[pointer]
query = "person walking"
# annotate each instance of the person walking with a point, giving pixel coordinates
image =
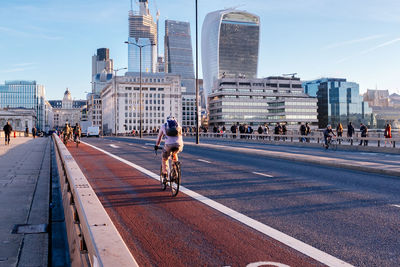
(339, 131)
(233, 130)
(302, 130)
(26, 131)
(350, 132)
(7, 131)
(388, 134)
(284, 130)
(364, 131)
(34, 131)
(308, 131)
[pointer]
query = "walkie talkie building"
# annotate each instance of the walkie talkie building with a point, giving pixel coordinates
(230, 45)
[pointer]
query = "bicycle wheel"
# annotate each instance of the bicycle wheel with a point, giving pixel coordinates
(175, 178)
(162, 182)
(334, 145)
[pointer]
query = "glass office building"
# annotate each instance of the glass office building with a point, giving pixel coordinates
(142, 31)
(230, 45)
(26, 95)
(178, 52)
(339, 101)
(261, 101)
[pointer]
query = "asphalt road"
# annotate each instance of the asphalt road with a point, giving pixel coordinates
(351, 215)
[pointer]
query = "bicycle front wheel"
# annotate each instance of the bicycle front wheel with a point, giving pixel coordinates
(175, 179)
(334, 146)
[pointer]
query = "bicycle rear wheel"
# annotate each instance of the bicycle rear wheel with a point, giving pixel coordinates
(175, 178)
(162, 181)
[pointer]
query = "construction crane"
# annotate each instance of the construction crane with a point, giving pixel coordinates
(290, 74)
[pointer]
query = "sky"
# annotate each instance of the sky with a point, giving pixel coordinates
(52, 41)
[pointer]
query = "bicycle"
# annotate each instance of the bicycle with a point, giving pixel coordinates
(77, 140)
(332, 143)
(173, 177)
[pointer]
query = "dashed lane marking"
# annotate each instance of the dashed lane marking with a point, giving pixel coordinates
(263, 174)
(397, 206)
(203, 160)
(114, 146)
(298, 245)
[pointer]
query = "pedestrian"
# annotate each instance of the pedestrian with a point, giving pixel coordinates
(303, 131)
(284, 130)
(260, 131)
(388, 134)
(364, 131)
(26, 131)
(242, 130)
(339, 131)
(350, 132)
(277, 131)
(34, 131)
(308, 131)
(233, 130)
(7, 131)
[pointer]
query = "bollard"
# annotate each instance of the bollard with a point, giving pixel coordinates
(15, 136)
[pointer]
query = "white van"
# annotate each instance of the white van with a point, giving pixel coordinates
(93, 131)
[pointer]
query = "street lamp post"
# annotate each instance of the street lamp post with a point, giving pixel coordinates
(140, 83)
(197, 77)
(115, 95)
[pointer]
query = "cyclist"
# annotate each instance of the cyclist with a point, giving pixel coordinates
(66, 133)
(77, 133)
(173, 142)
(328, 135)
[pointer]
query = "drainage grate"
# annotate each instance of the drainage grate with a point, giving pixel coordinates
(29, 228)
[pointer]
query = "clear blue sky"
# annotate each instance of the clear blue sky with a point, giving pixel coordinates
(52, 41)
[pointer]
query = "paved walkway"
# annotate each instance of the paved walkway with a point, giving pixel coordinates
(24, 200)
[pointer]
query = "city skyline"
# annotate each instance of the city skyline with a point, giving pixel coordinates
(52, 42)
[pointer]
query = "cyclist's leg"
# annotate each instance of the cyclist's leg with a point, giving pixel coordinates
(175, 154)
(164, 159)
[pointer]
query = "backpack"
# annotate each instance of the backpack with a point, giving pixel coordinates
(171, 128)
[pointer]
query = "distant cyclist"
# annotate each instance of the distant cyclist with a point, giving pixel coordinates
(77, 133)
(173, 142)
(328, 133)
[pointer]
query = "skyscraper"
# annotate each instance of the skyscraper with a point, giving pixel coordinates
(178, 52)
(142, 31)
(102, 66)
(230, 45)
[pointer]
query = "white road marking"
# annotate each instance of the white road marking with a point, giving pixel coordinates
(269, 263)
(203, 160)
(262, 174)
(298, 245)
(145, 147)
(397, 206)
(114, 146)
(149, 144)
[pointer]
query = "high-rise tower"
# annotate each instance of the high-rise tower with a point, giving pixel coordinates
(178, 52)
(230, 45)
(142, 31)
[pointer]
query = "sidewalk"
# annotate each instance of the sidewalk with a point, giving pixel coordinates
(24, 200)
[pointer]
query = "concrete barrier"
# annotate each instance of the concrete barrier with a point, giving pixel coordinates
(92, 237)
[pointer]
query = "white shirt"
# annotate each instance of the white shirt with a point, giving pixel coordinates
(169, 140)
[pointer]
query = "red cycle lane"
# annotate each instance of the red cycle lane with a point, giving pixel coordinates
(163, 231)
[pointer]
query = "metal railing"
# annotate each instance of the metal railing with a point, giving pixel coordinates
(316, 137)
(92, 237)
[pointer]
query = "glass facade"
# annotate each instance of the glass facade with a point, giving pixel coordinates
(339, 101)
(142, 31)
(178, 52)
(24, 94)
(230, 45)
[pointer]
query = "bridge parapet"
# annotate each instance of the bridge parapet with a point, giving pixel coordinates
(92, 237)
